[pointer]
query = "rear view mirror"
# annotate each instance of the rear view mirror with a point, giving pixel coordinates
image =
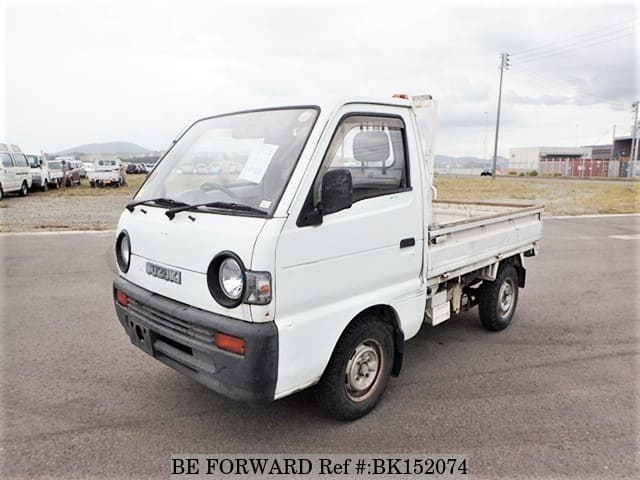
(336, 190)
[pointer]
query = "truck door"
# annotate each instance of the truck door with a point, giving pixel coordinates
(365, 255)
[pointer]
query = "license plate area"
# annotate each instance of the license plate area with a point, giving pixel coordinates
(141, 336)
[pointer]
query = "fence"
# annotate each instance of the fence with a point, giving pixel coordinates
(583, 167)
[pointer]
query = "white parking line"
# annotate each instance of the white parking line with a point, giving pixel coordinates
(635, 236)
(60, 232)
(604, 215)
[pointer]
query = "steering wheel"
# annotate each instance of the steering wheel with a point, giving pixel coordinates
(208, 186)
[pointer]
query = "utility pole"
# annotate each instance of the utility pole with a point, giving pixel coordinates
(613, 151)
(486, 133)
(504, 63)
(634, 140)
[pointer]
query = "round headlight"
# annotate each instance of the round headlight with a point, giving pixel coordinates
(123, 251)
(231, 278)
(226, 279)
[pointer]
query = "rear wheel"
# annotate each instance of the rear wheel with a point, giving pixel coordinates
(24, 189)
(358, 371)
(498, 299)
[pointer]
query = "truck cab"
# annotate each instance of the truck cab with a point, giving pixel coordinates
(39, 171)
(308, 258)
(105, 173)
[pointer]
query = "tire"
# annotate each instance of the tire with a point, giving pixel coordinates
(24, 189)
(1, 193)
(57, 185)
(497, 300)
(366, 346)
(45, 186)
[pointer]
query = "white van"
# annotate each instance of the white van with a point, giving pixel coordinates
(15, 173)
(315, 258)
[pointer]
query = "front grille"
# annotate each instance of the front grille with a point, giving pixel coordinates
(173, 323)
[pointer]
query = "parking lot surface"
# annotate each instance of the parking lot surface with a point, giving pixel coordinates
(554, 395)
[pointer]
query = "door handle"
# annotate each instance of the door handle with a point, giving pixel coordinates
(407, 242)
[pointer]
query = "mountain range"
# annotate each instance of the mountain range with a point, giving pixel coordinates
(129, 148)
(105, 148)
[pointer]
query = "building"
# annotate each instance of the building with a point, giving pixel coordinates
(527, 159)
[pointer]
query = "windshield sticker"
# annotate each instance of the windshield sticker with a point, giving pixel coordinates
(265, 204)
(258, 162)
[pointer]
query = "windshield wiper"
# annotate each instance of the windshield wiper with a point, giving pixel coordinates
(161, 200)
(222, 205)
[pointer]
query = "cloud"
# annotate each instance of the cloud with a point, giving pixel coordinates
(140, 71)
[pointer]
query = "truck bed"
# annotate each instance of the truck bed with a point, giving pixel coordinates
(466, 236)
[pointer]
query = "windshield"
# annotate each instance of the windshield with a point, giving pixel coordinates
(243, 158)
(54, 166)
(33, 161)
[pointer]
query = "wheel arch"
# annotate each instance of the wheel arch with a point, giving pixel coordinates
(518, 262)
(389, 315)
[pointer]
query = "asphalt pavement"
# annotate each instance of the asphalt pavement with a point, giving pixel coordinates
(555, 395)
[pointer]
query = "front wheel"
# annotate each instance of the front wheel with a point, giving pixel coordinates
(498, 299)
(358, 371)
(45, 186)
(24, 189)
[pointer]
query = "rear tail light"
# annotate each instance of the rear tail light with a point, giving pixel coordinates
(230, 343)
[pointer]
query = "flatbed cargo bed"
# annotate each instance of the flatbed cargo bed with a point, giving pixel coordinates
(465, 236)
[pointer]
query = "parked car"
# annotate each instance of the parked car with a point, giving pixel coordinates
(15, 173)
(487, 172)
(307, 273)
(106, 173)
(132, 168)
(39, 171)
(88, 167)
(74, 173)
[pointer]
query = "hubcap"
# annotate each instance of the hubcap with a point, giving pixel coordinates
(363, 369)
(506, 297)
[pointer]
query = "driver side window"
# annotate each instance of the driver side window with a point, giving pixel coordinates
(373, 150)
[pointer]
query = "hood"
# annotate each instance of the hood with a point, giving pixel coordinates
(187, 246)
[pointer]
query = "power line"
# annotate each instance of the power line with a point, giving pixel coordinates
(543, 80)
(545, 45)
(562, 47)
(542, 57)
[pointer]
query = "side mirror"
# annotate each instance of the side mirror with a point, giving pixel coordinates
(336, 196)
(336, 190)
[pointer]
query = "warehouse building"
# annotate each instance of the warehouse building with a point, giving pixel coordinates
(527, 159)
(587, 161)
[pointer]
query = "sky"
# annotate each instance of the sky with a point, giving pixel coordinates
(96, 71)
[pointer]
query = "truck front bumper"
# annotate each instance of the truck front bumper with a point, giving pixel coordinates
(181, 337)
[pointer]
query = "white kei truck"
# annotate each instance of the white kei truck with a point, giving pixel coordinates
(106, 172)
(315, 260)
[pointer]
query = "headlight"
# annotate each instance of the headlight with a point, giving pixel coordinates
(123, 251)
(231, 284)
(231, 278)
